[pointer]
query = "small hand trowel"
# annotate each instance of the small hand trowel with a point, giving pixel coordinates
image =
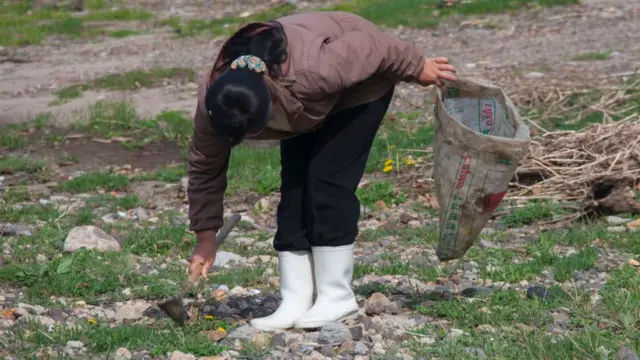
(173, 307)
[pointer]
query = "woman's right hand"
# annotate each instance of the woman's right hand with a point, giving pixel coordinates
(204, 252)
(435, 70)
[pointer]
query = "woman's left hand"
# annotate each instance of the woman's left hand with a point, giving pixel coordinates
(435, 70)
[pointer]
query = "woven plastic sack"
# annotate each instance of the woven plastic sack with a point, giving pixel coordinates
(480, 139)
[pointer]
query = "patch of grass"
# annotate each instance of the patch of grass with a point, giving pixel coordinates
(402, 235)
(500, 308)
(121, 14)
(159, 240)
(16, 195)
(584, 235)
(513, 267)
(120, 119)
(121, 34)
(115, 203)
(380, 191)
(106, 181)
(28, 213)
(130, 80)
(226, 25)
(20, 26)
(427, 13)
(101, 338)
(16, 164)
(531, 212)
(14, 136)
(165, 174)
(593, 56)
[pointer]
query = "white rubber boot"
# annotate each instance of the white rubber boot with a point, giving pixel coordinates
(296, 288)
(333, 274)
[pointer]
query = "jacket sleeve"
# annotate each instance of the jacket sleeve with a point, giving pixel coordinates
(208, 163)
(361, 51)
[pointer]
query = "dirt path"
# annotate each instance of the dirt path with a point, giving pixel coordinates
(543, 42)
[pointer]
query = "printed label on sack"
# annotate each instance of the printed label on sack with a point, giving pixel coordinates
(487, 115)
(452, 217)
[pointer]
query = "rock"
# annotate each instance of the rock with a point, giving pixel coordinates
(633, 262)
(617, 229)
(540, 293)
(75, 344)
(615, 220)
(90, 237)
(216, 335)
(43, 320)
(475, 291)
(626, 354)
(260, 341)
(278, 340)
(123, 354)
(356, 332)
(376, 304)
(179, 355)
(141, 214)
(244, 241)
(561, 319)
(486, 244)
(477, 353)
(243, 333)
(634, 225)
(15, 230)
(334, 333)
(41, 259)
(224, 258)
(132, 311)
(534, 74)
(453, 334)
(486, 328)
(378, 349)
(361, 349)
(261, 206)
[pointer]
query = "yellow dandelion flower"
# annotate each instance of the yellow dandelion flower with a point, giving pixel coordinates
(209, 317)
(389, 162)
(391, 147)
(409, 161)
(91, 321)
(221, 329)
(387, 168)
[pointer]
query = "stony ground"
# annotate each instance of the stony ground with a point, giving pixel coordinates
(93, 208)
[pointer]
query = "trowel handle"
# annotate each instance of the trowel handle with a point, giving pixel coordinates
(226, 229)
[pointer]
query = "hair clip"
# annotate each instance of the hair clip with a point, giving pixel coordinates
(254, 63)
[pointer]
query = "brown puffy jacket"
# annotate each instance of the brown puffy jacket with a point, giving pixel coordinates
(337, 60)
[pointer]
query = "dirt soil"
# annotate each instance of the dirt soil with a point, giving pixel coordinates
(511, 50)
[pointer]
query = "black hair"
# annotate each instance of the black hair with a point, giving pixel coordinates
(238, 101)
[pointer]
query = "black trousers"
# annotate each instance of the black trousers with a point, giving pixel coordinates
(320, 173)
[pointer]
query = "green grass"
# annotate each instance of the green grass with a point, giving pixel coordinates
(111, 119)
(100, 338)
(426, 13)
(223, 26)
(13, 136)
(593, 56)
(19, 26)
(115, 203)
(16, 164)
(106, 181)
(121, 34)
(520, 325)
(384, 191)
(130, 80)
